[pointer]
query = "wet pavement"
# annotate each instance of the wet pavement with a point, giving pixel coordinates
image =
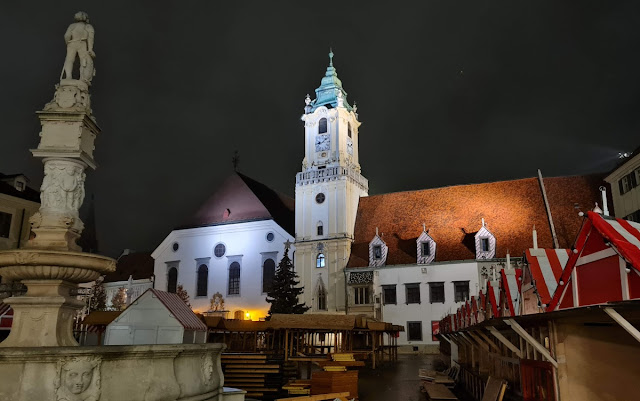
(395, 381)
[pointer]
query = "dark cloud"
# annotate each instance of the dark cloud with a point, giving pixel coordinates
(449, 92)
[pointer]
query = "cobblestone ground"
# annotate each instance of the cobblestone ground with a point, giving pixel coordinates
(395, 381)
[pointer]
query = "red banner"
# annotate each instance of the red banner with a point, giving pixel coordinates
(435, 329)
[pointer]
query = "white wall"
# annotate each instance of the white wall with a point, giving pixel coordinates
(147, 321)
(401, 313)
(245, 242)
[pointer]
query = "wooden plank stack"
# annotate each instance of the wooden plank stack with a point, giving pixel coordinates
(335, 382)
(258, 375)
(298, 387)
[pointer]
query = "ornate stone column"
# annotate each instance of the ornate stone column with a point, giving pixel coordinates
(51, 264)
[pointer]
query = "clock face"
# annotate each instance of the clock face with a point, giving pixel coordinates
(322, 143)
(350, 146)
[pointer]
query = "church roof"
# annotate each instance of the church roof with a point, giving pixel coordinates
(330, 87)
(453, 215)
(240, 199)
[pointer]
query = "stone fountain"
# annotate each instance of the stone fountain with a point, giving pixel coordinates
(41, 360)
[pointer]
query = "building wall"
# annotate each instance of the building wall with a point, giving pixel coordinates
(424, 312)
(629, 202)
(21, 210)
(245, 243)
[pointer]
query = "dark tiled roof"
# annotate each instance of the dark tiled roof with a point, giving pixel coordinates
(29, 193)
(176, 306)
(453, 215)
(139, 265)
(245, 199)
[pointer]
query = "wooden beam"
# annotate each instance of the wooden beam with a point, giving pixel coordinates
(504, 340)
(528, 338)
(318, 397)
(478, 340)
(487, 339)
(635, 333)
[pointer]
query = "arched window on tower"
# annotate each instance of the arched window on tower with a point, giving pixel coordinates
(234, 279)
(349, 129)
(268, 274)
(172, 280)
(322, 126)
(203, 279)
(320, 260)
(320, 228)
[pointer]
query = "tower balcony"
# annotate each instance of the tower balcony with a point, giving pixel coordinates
(332, 174)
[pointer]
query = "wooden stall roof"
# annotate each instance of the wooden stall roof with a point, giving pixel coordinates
(313, 322)
(243, 325)
(101, 317)
(212, 322)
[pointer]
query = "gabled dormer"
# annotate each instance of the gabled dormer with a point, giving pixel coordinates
(485, 243)
(378, 251)
(426, 247)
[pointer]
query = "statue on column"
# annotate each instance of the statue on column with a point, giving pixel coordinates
(79, 39)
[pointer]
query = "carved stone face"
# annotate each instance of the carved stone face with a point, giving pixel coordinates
(77, 376)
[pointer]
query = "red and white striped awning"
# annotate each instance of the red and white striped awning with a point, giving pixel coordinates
(6, 316)
(511, 285)
(546, 266)
(493, 290)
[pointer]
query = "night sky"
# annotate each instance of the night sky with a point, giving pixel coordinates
(449, 92)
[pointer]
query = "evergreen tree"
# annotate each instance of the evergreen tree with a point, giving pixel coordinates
(98, 300)
(284, 293)
(183, 294)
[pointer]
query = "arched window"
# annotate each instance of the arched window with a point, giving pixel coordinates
(320, 260)
(203, 279)
(234, 279)
(320, 228)
(349, 129)
(322, 298)
(322, 126)
(172, 280)
(268, 274)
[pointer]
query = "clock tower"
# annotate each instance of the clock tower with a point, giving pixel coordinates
(327, 192)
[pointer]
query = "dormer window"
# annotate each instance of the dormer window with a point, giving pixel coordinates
(377, 251)
(322, 126)
(426, 248)
(20, 186)
(485, 243)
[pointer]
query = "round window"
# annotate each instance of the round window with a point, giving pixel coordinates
(219, 250)
(320, 197)
(270, 237)
(175, 246)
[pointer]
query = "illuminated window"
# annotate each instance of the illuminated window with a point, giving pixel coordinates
(268, 274)
(234, 279)
(320, 228)
(172, 280)
(203, 279)
(320, 260)
(322, 126)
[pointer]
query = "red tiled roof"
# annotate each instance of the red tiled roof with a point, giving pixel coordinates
(453, 215)
(179, 310)
(241, 198)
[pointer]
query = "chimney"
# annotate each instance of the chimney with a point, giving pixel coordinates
(603, 190)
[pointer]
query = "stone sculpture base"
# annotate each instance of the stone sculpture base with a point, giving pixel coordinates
(43, 317)
(185, 372)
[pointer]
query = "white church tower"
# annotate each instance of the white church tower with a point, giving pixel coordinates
(327, 193)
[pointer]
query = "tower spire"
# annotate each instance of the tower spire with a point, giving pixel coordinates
(330, 57)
